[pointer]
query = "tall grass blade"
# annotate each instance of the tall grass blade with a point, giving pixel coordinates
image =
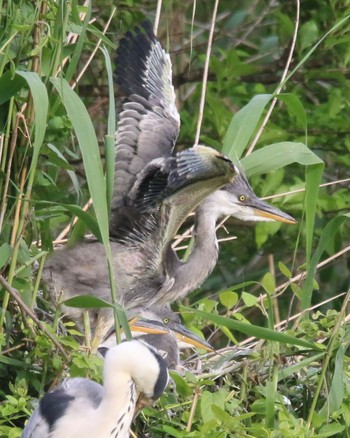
(110, 137)
(258, 332)
(94, 174)
(327, 236)
(41, 106)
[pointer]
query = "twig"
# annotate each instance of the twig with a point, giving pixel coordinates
(302, 275)
(94, 51)
(157, 17)
(279, 88)
(292, 192)
(16, 296)
(197, 392)
(205, 73)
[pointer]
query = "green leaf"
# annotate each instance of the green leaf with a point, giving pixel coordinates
(249, 299)
(9, 86)
(295, 107)
(86, 302)
(308, 34)
(268, 283)
(208, 399)
(243, 126)
(228, 299)
(182, 387)
(277, 155)
(285, 271)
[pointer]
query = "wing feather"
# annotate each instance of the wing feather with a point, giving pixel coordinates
(149, 121)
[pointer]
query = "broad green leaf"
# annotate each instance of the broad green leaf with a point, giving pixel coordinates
(243, 126)
(87, 301)
(285, 271)
(268, 283)
(277, 155)
(295, 107)
(249, 299)
(208, 399)
(258, 332)
(228, 299)
(308, 34)
(182, 387)
(9, 86)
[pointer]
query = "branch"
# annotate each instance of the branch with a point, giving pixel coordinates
(17, 297)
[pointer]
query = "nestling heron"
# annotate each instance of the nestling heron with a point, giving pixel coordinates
(147, 267)
(150, 200)
(161, 328)
(134, 375)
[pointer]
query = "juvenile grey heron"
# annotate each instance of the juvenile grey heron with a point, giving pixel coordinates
(134, 374)
(150, 200)
(160, 327)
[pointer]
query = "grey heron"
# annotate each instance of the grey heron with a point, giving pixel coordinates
(134, 374)
(160, 327)
(150, 201)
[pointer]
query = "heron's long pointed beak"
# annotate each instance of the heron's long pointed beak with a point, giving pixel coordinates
(265, 210)
(186, 336)
(182, 334)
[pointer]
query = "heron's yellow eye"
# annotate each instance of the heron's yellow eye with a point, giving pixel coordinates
(242, 198)
(166, 320)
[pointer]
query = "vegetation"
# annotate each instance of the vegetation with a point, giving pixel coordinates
(276, 305)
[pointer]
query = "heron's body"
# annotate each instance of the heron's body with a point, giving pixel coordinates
(155, 189)
(81, 408)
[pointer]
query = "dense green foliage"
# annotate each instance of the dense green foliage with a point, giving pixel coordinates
(291, 381)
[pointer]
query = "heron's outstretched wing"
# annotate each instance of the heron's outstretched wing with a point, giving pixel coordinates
(149, 122)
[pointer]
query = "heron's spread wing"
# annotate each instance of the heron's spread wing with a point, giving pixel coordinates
(149, 122)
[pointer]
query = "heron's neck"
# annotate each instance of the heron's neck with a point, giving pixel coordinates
(191, 274)
(118, 404)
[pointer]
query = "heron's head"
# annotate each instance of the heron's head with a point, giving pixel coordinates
(154, 322)
(237, 199)
(161, 328)
(139, 362)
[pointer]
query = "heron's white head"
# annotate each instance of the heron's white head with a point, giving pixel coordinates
(139, 362)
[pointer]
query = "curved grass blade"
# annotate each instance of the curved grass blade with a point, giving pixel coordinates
(94, 174)
(258, 332)
(277, 155)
